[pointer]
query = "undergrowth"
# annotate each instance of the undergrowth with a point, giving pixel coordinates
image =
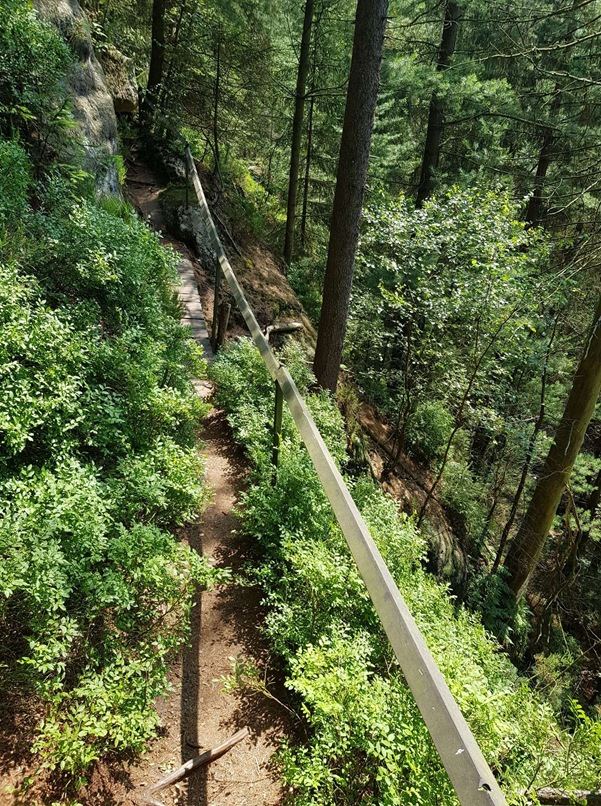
(367, 742)
(98, 420)
(97, 462)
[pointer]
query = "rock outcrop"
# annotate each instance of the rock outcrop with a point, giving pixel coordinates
(119, 81)
(92, 103)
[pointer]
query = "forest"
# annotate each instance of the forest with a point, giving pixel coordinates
(422, 181)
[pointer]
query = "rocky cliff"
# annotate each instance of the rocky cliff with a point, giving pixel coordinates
(92, 103)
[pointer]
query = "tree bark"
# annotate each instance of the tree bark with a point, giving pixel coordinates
(297, 131)
(534, 211)
(362, 94)
(540, 421)
(309, 154)
(526, 549)
(448, 41)
(157, 59)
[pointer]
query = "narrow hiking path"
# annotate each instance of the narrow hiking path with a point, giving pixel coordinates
(198, 713)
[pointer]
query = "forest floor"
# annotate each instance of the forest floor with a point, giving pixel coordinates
(197, 713)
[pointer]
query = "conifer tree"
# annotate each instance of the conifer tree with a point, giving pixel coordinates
(364, 80)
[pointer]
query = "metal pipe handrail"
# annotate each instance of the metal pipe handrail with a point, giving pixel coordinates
(460, 754)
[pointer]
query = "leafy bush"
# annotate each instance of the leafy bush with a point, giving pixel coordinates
(33, 63)
(367, 742)
(14, 183)
(464, 495)
(429, 429)
(435, 285)
(97, 458)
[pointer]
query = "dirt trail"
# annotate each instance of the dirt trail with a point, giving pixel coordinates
(197, 714)
(225, 622)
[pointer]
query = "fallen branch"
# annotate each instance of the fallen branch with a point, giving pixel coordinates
(193, 764)
(556, 797)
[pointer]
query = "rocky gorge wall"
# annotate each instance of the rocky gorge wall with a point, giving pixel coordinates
(93, 106)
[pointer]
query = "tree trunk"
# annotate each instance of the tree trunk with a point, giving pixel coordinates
(448, 41)
(527, 547)
(216, 93)
(297, 131)
(307, 182)
(362, 94)
(157, 59)
(309, 156)
(534, 212)
(540, 421)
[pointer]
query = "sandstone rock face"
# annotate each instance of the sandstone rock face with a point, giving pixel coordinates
(118, 80)
(92, 104)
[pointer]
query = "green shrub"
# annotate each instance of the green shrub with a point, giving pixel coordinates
(367, 742)
(97, 458)
(15, 181)
(33, 63)
(165, 485)
(41, 354)
(464, 495)
(429, 428)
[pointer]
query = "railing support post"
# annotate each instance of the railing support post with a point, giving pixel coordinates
(187, 167)
(277, 429)
(215, 323)
(224, 318)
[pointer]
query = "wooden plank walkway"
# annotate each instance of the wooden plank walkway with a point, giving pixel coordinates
(190, 299)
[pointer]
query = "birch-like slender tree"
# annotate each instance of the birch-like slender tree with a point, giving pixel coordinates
(297, 131)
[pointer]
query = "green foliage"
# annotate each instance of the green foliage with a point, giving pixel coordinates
(367, 742)
(450, 291)
(464, 495)
(162, 486)
(14, 184)
(33, 62)
(97, 458)
(429, 429)
(488, 594)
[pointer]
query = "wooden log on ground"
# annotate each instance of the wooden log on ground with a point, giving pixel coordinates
(194, 764)
(556, 797)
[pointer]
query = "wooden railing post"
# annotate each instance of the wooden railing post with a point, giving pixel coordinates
(277, 429)
(217, 290)
(187, 179)
(224, 318)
